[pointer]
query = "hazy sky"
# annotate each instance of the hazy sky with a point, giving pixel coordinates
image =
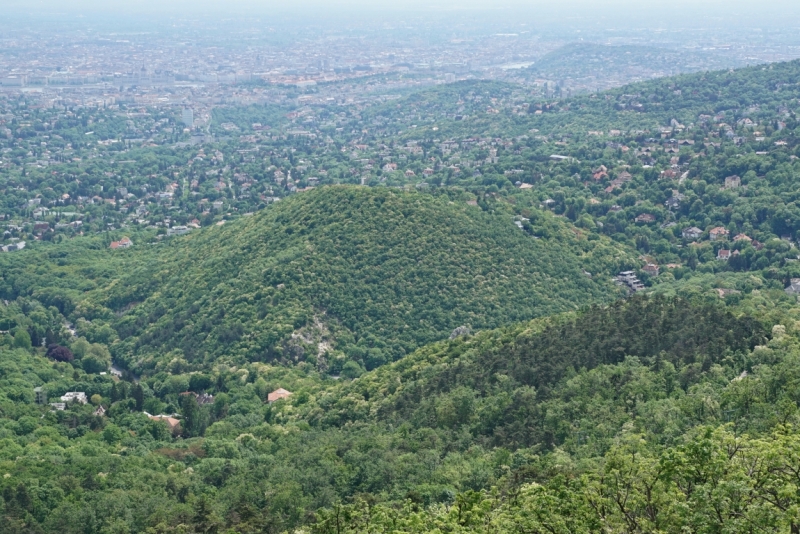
(772, 8)
(544, 14)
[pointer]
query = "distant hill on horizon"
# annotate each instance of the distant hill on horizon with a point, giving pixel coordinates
(593, 66)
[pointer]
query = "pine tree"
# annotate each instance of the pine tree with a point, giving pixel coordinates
(138, 396)
(205, 520)
(192, 416)
(114, 393)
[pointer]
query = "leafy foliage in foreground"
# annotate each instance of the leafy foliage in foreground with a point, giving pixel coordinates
(714, 481)
(408, 442)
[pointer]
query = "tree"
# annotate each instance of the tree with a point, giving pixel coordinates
(23, 497)
(115, 393)
(22, 340)
(205, 519)
(351, 370)
(112, 434)
(138, 396)
(199, 382)
(193, 421)
(81, 347)
(97, 359)
(59, 353)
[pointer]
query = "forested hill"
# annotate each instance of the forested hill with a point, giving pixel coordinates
(340, 274)
(500, 384)
(470, 108)
(605, 63)
(656, 102)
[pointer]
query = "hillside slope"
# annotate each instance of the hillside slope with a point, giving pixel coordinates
(470, 108)
(501, 386)
(610, 65)
(372, 273)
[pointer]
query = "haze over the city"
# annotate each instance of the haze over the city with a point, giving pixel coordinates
(281, 41)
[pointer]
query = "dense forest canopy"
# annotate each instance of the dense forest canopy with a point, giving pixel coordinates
(334, 275)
